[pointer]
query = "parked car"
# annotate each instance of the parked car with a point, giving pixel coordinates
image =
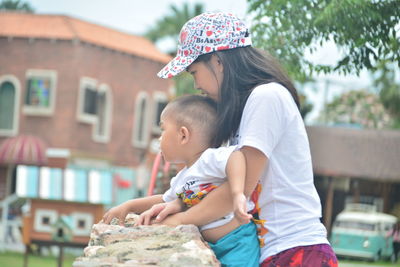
(360, 231)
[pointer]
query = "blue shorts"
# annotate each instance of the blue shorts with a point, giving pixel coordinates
(238, 248)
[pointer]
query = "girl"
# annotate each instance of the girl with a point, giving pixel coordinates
(258, 110)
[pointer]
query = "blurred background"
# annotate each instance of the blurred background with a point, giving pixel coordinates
(80, 104)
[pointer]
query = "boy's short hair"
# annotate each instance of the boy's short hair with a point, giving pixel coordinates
(197, 112)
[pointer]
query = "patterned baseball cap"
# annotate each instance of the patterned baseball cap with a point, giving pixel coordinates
(206, 33)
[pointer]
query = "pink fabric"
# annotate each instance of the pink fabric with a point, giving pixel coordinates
(320, 255)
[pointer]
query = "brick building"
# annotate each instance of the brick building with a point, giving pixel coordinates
(89, 93)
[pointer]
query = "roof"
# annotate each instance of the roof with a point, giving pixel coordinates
(24, 25)
(345, 152)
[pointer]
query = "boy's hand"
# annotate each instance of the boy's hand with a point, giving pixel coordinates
(146, 216)
(118, 212)
(240, 209)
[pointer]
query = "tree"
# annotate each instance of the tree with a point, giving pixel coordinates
(359, 108)
(389, 90)
(170, 27)
(16, 5)
(364, 30)
(305, 105)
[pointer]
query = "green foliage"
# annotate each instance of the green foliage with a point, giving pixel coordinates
(389, 90)
(16, 5)
(305, 106)
(170, 25)
(357, 107)
(364, 30)
(184, 84)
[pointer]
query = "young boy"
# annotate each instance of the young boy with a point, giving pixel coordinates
(188, 126)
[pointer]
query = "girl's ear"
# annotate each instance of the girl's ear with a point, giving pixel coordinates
(184, 135)
(217, 63)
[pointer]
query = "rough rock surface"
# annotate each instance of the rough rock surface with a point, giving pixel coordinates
(129, 245)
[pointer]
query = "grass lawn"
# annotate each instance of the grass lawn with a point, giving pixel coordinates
(15, 259)
(347, 262)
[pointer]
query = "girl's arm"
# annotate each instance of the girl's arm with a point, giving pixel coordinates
(219, 201)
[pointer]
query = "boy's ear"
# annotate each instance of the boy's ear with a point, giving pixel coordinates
(184, 134)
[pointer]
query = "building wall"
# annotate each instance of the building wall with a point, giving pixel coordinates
(126, 75)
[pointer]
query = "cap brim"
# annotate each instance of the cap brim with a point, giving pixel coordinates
(174, 67)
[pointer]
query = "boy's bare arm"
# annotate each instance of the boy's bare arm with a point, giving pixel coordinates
(236, 173)
(134, 205)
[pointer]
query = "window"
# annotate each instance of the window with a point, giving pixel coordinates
(102, 129)
(9, 105)
(82, 223)
(160, 100)
(356, 225)
(87, 100)
(95, 107)
(90, 98)
(140, 127)
(40, 92)
(44, 219)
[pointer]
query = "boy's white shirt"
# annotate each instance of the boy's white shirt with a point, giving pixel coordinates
(209, 168)
(289, 203)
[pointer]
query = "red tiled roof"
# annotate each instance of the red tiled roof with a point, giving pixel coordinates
(67, 28)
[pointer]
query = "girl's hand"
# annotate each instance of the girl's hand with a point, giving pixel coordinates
(146, 216)
(240, 209)
(118, 212)
(171, 208)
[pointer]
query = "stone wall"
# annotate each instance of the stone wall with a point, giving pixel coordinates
(129, 245)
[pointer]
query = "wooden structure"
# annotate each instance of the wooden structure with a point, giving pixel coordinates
(45, 224)
(361, 161)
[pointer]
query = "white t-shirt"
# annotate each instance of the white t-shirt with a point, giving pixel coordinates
(289, 202)
(193, 183)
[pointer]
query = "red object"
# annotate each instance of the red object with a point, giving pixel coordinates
(121, 183)
(154, 172)
(23, 149)
(157, 164)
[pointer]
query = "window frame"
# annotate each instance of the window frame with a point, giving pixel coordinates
(142, 95)
(38, 110)
(104, 88)
(158, 97)
(17, 96)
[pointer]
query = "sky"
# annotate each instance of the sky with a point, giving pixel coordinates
(137, 16)
(132, 16)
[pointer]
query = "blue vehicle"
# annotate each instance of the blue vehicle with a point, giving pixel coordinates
(361, 232)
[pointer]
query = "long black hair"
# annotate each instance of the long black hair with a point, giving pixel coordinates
(244, 69)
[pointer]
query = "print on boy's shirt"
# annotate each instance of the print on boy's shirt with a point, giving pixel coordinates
(189, 184)
(190, 198)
